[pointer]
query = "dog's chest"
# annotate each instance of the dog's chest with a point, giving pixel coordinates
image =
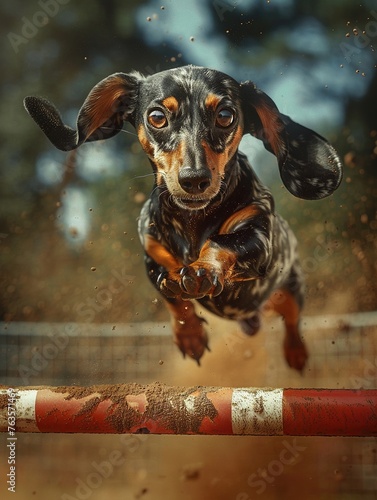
(185, 237)
(181, 233)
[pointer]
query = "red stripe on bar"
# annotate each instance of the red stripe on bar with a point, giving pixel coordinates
(55, 413)
(222, 423)
(329, 412)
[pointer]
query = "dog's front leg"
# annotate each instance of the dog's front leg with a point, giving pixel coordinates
(204, 277)
(175, 280)
(240, 251)
(188, 328)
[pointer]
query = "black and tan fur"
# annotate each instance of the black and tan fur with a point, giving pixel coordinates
(209, 229)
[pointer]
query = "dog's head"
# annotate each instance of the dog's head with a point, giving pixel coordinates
(190, 121)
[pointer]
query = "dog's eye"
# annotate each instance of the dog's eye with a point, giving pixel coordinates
(224, 117)
(157, 118)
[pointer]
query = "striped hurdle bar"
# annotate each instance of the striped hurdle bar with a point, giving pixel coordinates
(161, 409)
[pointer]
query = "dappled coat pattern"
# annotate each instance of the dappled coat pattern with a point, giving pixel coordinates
(209, 229)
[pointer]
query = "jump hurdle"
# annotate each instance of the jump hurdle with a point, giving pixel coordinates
(160, 409)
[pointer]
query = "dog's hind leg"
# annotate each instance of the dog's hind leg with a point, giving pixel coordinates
(287, 301)
(251, 325)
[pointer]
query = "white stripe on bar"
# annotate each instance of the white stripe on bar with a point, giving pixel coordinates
(26, 419)
(257, 411)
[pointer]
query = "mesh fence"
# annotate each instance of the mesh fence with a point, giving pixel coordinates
(343, 354)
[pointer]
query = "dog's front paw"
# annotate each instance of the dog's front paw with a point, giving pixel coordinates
(199, 281)
(191, 282)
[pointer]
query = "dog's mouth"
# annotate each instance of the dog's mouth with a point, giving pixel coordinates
(191, 203)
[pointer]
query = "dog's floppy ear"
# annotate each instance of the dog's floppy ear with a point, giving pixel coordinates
(309, 166)
(101, 116)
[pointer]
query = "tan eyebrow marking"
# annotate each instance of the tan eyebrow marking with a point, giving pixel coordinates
(171, 104)
(212, 101)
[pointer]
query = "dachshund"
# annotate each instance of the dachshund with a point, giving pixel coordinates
(209, 229)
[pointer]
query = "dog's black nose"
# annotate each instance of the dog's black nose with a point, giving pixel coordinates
(194, 181)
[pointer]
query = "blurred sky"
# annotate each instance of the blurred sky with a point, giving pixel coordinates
(189, 26)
